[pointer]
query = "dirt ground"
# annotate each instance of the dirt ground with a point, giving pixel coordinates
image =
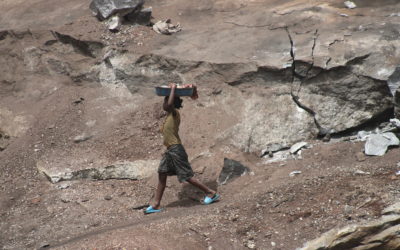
(265, 209)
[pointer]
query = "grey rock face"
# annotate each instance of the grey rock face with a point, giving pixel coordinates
(106, 8)
(380, 234)
(232, 169)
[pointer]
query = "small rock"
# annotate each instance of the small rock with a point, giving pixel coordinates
(36, 200)
(395, 122)
(360, 172)
(45, 245)
(65, 200)
(326, 138)
(273, 243)
(398, 172)
(114, 23)
(231, 170)
(81, 138)
(250, 244)
(296, 147)
(350, 4)
(63, 186)
(348, 209)
(79, 101)
(107, 198)
(272, 148)
(166, 27)
(293, 173)
(361, 156)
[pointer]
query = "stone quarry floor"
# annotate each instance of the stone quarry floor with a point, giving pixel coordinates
(266, 209)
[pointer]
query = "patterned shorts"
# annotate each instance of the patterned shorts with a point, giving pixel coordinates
(175, 162)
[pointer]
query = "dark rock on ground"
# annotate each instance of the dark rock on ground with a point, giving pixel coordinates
(232, 169)
(103, 9)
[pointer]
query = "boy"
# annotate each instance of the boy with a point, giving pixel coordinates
(175, 160)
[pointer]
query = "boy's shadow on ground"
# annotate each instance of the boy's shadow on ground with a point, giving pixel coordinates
(191, 196)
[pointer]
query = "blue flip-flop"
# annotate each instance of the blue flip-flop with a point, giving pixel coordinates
(151, 210)
(207, 200)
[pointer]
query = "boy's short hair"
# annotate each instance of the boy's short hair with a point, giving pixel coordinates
(177, 101)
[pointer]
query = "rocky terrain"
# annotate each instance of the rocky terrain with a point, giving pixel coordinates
(79, 125)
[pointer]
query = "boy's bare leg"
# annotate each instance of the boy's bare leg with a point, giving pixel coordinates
(209, 192)
(162, 183)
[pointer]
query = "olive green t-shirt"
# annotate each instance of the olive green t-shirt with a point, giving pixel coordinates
(170, 129)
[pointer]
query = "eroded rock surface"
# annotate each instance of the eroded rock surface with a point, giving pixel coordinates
(380, 234)
(137, 170)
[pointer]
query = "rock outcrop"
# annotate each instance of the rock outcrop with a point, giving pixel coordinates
(380, 234)
(123, 170)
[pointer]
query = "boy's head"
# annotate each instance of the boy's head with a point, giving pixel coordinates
(177, 101)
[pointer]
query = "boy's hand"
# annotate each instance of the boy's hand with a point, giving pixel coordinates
(172, 85)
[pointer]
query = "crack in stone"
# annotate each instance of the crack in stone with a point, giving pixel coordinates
(248, 26)
(312, 54)
(321, 131)
(328, 61)
(335, 41)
